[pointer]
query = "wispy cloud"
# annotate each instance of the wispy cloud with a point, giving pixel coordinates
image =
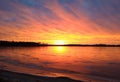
(80, 20)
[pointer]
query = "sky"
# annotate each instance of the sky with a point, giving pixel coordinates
(73, 21)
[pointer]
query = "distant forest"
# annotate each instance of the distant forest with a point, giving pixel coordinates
(32, 44)
(13, 43)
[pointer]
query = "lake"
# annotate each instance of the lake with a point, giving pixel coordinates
(86, 63)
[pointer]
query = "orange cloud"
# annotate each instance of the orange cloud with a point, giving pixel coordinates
(60, 20)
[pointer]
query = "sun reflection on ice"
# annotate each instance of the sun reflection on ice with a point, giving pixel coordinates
(59, 49)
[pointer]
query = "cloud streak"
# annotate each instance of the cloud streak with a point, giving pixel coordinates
(82, 21)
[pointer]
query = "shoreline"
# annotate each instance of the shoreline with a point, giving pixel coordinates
(13, 76)
(9, 76)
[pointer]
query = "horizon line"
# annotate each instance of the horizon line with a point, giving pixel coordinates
(24, 43)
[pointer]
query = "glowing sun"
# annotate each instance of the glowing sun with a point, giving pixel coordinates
(59, 42)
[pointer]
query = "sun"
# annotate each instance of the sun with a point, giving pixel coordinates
(59, 42)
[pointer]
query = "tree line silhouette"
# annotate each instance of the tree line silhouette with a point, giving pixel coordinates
(30, 44)
(13, 43)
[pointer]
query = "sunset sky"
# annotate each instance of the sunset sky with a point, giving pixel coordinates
(71, 21)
